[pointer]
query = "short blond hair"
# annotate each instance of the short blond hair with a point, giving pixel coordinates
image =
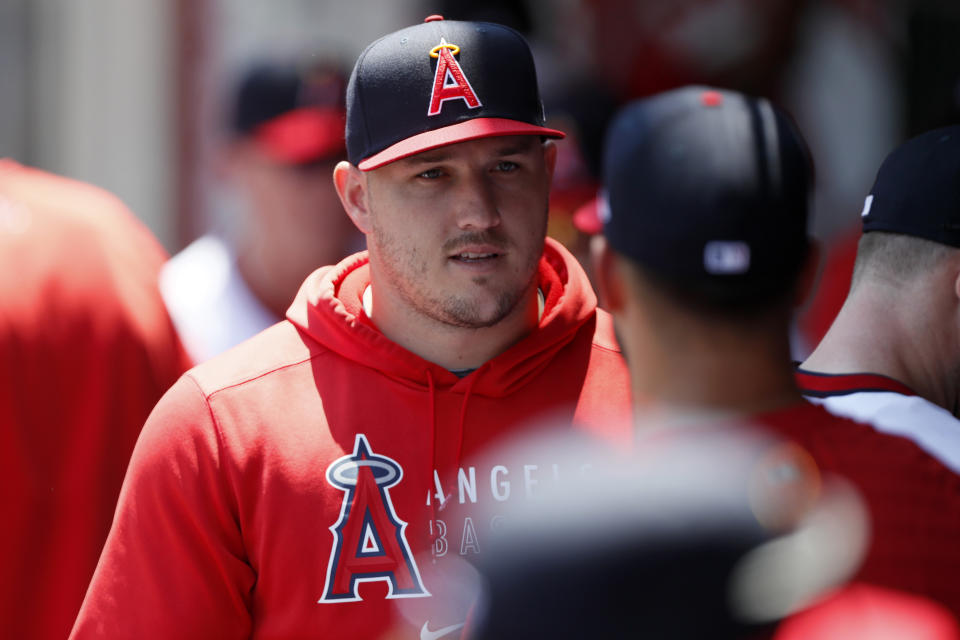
(895, 256)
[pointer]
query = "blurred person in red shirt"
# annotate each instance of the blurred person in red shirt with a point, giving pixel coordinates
(86, 350)
(704, 253)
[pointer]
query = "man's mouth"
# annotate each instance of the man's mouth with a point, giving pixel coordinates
(470, 256)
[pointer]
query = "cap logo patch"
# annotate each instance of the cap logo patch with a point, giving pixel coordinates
(867, 203)
(449, 81)
(725, 258)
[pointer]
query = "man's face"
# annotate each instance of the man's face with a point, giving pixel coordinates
(457, 232)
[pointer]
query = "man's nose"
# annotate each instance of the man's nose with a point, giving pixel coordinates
(476, 203)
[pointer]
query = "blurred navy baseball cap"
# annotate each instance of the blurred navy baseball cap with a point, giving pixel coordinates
(294, 113)
(439, 83)
(709, 189)
(917, 190)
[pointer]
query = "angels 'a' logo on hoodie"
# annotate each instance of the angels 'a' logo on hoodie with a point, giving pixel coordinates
(369, 542)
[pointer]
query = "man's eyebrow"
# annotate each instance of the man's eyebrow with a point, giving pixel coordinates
(441, 155)
(514, 148)
(426, 158)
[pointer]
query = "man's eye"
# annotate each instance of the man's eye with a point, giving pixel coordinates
(506, 166)
(430, 174)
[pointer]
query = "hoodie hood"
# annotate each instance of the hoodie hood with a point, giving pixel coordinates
(329, 310)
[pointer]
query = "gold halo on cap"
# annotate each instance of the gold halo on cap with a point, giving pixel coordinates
(435, 52)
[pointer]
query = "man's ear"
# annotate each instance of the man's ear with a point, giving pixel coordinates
(956, 282)
(352, 188)
(610, 283)
(808, 273)
(550, 157)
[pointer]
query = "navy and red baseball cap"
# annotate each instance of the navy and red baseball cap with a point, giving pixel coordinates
(439, 83)
(709, 189)
(917, 189)
(294, 114)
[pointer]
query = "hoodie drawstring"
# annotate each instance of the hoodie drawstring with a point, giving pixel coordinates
(434, 471)
(433, 455)
(463, 418)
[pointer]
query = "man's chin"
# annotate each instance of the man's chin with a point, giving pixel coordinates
(474, 320)
(478, 312)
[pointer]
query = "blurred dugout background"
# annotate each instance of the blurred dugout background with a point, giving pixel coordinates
(127, 95)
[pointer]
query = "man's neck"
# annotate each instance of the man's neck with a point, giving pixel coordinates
(872, 335)
(715, 376)
(453, 347)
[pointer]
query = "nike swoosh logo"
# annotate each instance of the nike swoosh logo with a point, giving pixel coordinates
(426, 634)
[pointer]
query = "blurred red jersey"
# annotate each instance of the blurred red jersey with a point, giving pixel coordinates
(913, 499)
(86, 350)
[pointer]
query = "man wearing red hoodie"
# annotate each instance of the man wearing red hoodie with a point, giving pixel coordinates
(298, 485)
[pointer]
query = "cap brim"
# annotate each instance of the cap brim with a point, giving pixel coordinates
(461, 132)
(303, 135)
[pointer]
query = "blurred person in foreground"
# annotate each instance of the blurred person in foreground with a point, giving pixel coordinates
(709, 531)
(718, 532)
(86, 350)
(892, 355)
(298, 485)
(703, 256)
(286, 137)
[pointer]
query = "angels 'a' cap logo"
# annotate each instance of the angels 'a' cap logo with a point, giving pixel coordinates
(449, 80)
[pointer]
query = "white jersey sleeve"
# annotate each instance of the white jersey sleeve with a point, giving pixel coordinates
(933, 428)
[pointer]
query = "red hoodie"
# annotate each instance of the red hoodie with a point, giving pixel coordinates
(294, 486)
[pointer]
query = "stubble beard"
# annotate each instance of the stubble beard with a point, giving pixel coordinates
(407, 273)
